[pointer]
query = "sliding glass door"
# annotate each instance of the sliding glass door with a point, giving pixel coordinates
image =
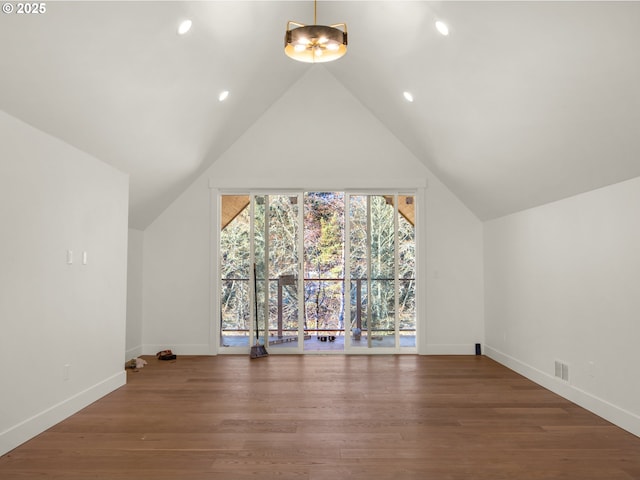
(382, 271)
(237, 327)
(276, 238)
(318, 272)
(324, 281)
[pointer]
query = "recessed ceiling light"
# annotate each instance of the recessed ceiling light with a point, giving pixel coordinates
(223, 95)
(442, 28)
(184, 27)
(408, 97)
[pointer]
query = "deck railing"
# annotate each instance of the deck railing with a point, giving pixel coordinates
(290, 280)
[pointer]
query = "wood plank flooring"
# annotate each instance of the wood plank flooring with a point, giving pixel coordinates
(329, 417)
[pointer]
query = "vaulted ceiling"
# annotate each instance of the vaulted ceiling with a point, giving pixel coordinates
(523, 103)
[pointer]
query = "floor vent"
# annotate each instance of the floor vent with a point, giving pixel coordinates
(562, 371)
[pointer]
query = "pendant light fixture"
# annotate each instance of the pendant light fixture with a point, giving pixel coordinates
(315, 43)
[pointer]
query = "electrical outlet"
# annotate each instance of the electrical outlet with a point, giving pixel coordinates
(65, 371)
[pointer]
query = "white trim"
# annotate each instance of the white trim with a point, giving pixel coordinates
(396, 266)
(215, 217)
(369, 274)
(234, 350)
(178, 349)
(29, 428)
(614, 414)
(275, 184)
(347, 272)
(300, 254)
(449, 349)
(267, 289)
(421, 270)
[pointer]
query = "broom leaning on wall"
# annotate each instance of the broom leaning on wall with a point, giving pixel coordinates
(257, 351)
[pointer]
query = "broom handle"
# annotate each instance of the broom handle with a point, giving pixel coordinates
(255, 298)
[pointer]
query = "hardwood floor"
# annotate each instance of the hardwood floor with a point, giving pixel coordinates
(329, 417)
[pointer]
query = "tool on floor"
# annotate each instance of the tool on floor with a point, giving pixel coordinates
(258, 350)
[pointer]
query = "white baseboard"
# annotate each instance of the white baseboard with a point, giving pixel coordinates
(206, 349)
(179, 349)
(452, 349)
(133, 352)
(610, 412)
(29, 428)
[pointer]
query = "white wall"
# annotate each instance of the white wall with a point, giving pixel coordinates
(317, 136)
(454, 274)
(176, 275)
(54, 198)
(133, 346)
(563, 283)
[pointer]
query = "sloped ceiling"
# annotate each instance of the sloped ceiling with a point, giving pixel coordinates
(522, 104)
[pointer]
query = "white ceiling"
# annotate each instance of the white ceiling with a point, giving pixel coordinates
(522, 104)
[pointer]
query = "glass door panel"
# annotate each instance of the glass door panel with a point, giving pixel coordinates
(283, 265)
(358, 269)
(407, 270)
(382, 248)
(324, 271)
(382, 271)
(235, 307)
